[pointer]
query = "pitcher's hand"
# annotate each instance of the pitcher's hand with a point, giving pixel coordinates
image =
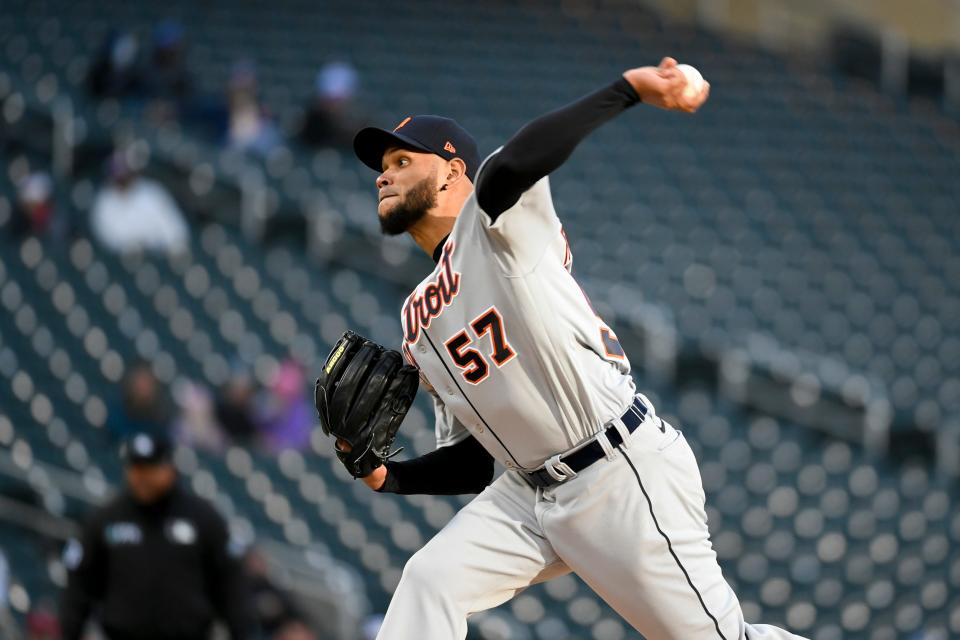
(663, 87)
(376, 478)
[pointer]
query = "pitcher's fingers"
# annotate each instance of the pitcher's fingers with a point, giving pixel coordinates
(675, 77)
(667, 63)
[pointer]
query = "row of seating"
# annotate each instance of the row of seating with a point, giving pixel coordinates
(793, 205)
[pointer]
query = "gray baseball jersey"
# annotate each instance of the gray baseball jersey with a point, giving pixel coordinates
(507, 341)
(512, 352)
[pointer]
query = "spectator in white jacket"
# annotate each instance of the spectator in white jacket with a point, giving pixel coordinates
(132, 212)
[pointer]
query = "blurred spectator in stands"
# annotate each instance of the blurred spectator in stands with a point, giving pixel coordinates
(287, 418)
(167, 80)
(235, 408)
(8, 626)
(294, 630)
(371, 626)
(196, 423)
(115, 72)
(42, 622)
(333, 116)
(274, 610)
(132, 212)
(36, 213)
(249, 126)
(141, 405)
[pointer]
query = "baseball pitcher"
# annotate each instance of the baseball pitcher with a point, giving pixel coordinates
(523, 371)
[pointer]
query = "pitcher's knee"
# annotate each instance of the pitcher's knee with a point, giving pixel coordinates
(416, 572)
(429, 575)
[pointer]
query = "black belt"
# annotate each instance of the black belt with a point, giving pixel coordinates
(583, 458)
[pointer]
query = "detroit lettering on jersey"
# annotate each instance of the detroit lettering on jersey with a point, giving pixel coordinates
(419, 310)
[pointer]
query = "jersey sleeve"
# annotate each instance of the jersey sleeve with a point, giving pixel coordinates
(525, 232)
(448, 429)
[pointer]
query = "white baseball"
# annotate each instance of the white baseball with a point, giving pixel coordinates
(694, 81)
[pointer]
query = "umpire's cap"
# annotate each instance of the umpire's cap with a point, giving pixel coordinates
(431, 134)
(145, 448)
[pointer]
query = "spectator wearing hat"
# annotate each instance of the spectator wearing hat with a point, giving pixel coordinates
(35, 213)
(167, 74)
(333, 115)
(169, 86)
(115, 72)
(156, 562)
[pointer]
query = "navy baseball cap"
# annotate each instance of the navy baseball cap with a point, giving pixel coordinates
(430, 134)
(145, 448)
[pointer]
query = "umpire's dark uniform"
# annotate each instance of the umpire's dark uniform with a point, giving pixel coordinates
(157, 571)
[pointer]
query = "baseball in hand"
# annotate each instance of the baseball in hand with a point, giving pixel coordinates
(694, 81)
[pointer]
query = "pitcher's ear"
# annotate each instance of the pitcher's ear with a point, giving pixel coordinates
(456, 169)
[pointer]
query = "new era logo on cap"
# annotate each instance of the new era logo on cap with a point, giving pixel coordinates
(449, 147)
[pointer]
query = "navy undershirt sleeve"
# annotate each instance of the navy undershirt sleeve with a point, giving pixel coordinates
(545, 143)
(461, 468)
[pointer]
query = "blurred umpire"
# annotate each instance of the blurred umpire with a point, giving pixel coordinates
(156, 562)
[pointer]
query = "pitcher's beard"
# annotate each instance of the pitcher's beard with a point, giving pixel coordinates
(409, 211)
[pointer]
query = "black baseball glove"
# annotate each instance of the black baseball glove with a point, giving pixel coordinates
(363, 393)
